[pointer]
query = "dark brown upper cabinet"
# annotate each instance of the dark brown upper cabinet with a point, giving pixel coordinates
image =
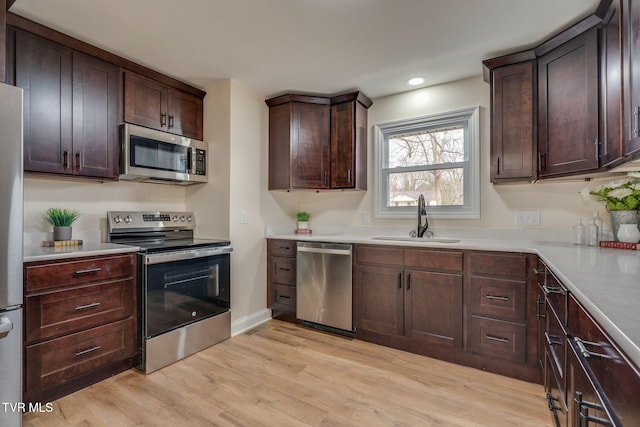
(568, 107)
(631, 71)
(152, 104)
(70, 109)
(318, 143)
(513, 143)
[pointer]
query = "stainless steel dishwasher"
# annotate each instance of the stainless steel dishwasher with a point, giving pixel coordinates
(323, 287)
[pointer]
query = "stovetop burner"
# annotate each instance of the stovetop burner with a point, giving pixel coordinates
(157, 231)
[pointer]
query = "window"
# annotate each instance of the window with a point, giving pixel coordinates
(437, 156)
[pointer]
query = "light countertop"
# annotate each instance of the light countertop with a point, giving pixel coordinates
(39, 253)
(605, 281)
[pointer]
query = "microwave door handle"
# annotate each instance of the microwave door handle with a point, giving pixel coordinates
(191, 160)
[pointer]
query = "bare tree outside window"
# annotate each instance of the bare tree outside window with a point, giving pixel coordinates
(442, 184)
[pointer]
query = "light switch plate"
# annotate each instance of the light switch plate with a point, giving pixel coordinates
(527, 217)
(244, 217)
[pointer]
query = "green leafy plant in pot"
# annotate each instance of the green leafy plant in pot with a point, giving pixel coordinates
(303, 220)
(61, 219)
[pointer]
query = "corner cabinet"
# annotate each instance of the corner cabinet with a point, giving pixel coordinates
(80, 323)
(155, 105)
(70, 109)
(513, 141)
(318, 143)
(568, 107)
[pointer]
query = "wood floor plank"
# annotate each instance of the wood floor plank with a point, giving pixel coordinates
(280, 374)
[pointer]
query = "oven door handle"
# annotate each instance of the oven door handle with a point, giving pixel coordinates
(163, 257)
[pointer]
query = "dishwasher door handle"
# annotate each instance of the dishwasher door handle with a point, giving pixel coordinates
(325, 251)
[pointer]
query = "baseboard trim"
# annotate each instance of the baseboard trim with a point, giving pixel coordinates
(245, 323)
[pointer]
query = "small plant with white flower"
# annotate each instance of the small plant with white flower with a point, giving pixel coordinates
(619, 195)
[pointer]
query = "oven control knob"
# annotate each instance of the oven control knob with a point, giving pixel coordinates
(189, 218)
(175, 218)
(182, 218)
(117, 219)
(128, 219)
(194, 314)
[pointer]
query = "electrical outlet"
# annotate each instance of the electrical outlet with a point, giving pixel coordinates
(365, 218)
(527, 217)
(244, 217)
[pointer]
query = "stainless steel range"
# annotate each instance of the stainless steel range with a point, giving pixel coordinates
(183, 284)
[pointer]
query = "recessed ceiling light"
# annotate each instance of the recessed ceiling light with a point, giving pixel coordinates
(415, 81)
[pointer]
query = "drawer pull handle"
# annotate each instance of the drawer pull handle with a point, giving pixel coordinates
(285, 269)
(552, 339)
(538, 271)
(550, 402)
(497, 298)
(583, 407)
(286, 248)
(89, 350)
(89, 271)
(589, 354)
(553, 290)
(498, 339)
(540, 303)
(84, 307)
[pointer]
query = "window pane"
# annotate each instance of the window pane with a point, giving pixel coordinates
(440, 187)
(427, 147)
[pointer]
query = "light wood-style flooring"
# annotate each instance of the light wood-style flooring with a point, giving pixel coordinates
(280, 374)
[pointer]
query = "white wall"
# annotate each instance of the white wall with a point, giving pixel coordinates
(93, 200)
(558, 202)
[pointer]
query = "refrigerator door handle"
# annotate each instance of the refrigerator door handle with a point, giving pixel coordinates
(6, 325)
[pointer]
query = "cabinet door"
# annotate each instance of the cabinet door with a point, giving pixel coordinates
(310, 145)
(44, 71)
(433, 308)
(184, 114)
(513, 145)
(379, 300)
(631, 72)
(95, 110)
(145, 101)
(568, 107)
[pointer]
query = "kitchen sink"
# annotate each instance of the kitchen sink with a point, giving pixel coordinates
(418, 239)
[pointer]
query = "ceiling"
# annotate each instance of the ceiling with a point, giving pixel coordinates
(312, 46)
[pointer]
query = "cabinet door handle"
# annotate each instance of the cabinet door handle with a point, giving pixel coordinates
(551, 404)
(399, 280)
(89, 350)
(349, 175)
(170, 121)
(597, 150)
(538, 271)
(583, 407)
(65, 159)
(88, 271)
(498, 166)
(84, 307)
(163, 119)
(539, 303)
(541, 161)
(552, 339)
(408, 281)
(552, 290)
(494, 297)
(589, 354)
(636, 121)
(324, 178)
(498, 339)
(78, 162)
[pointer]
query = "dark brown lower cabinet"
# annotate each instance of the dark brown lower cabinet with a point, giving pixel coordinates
(281, 283)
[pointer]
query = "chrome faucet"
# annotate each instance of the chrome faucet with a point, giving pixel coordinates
(422, 211)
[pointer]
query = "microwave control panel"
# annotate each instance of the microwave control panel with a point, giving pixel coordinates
(201, 162)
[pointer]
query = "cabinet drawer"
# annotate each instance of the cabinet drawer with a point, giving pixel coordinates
(377, 255)
(495, 338)
(556, 343)
(498, 264)
(51, 275)
(556, 296)
(283, 270)
(499, 298)
(282, 248)
(283, 302)
(55, 361)
(433, 260)
(58, 313)
(555, 395)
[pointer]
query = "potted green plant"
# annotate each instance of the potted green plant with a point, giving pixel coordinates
(61, 219)
(622, 198)
(303, 220)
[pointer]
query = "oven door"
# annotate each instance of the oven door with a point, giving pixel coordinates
(184, 287)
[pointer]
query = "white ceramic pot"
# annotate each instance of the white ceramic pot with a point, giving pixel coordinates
(303, 225)
(628, 233)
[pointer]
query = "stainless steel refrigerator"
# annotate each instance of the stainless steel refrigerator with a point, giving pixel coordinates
(11, 232)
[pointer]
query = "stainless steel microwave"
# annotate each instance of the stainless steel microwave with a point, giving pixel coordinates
(150, 155)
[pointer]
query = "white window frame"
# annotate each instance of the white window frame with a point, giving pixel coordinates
(469, 119)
